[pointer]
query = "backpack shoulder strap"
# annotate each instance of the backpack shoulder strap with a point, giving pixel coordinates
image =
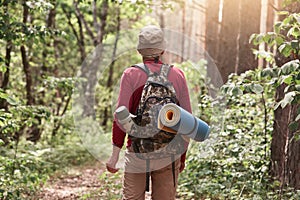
(143, 67)
(165, 69)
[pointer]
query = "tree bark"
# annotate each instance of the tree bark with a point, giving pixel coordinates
(270, 15)
(5, 78)
(26, 66)
(212, 40)
(227, 45)
(285, 148)
(50, 23)
(90, 72)
(183, 31)
(111, 67)
(249, 23)
(293, 161)
(279, 136)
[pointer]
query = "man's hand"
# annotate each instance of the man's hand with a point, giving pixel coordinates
(112, 161)
(111, 165)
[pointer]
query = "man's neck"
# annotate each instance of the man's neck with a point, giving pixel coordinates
(151, 59)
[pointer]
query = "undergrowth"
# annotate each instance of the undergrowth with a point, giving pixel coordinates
(26, 166)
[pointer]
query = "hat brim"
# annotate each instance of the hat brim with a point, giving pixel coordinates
(150, 52)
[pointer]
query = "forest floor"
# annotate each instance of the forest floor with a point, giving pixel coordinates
(82, 182)
(73, 183)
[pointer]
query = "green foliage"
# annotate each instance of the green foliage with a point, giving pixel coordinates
(285, 38)
(26, 166)
(21, 173)
(234, 162)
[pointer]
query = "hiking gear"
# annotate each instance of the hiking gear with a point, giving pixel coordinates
(151, 41)
(153, 143)
(174, 118)
(131, 87)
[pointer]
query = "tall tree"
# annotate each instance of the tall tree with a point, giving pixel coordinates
(25, 61)
(109, 83)
(5, 76)
(227, 46)
(89, 70)
(285, 147)
(270, 15)
(212, 39)
(250, 12)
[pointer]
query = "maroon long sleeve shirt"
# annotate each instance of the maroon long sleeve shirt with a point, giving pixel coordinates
(132, 82)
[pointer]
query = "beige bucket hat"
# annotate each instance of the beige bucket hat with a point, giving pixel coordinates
(151, 41)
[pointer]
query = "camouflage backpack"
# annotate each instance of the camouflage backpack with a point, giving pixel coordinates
(148, 141)
(152, 143)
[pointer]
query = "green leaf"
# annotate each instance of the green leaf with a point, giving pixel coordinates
(285, 49)
(293, 126)
(283, 13)
(298, 117)
(294, 31)
(11, 101)
(289, 67)
(287, 79)
(288, 98)
(252, 37)
(279, 40)
(258, 39)
(286, 89)
(257, 88)
(3, 68)
(277, 27)
(236, 91)
(268, 72)
(295, 44)
(3, 95)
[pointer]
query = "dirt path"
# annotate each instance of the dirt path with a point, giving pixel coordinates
(72, 184)
(81, 183)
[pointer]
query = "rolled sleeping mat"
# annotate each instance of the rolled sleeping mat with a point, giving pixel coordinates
(174, 119)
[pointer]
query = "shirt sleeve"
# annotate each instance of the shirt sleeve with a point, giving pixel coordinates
(184, 97)
(184, 101)
(118, 135)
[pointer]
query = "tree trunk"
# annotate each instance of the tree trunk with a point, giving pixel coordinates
(293, 160)
(26, 66)
(90, 72)
(79, 37)
(285, 148)
(270, 15)
(227, 54)
(249, 23)
(109, 83)
(8, 49)
(183, 31)
(5, 82)
(50, 23)
(212, 40)
(279, 136)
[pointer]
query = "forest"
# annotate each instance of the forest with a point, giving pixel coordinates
(60, 68)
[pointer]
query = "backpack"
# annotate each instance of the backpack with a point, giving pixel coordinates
(153, 143)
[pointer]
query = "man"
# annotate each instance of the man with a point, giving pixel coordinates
(151, 46)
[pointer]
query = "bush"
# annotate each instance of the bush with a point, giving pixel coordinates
(234, 162)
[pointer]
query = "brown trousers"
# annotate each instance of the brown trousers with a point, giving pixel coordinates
(162, 182)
